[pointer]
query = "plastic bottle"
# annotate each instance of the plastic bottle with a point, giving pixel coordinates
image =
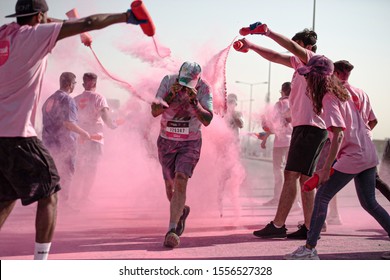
(260, 135)
(237, 45)
(255, 28)
(142, 13)
(312, 182)
(86, 39)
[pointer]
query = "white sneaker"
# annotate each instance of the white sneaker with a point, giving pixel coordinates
(303, 253)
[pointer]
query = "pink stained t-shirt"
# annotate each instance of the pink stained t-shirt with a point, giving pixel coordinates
(362, 103)
(89, 105)
(300, 104)
(179, 121)
(23, 56)
(357, 152)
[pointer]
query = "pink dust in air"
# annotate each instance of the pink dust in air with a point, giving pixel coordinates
(129, 187)
(129, 174)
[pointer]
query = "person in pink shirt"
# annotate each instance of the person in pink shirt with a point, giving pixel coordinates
(93, 113)
(279, 123)
(27, 171)
(351, 145)
(308, 136)
(342, 70)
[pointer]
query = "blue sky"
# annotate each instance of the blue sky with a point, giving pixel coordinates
(355, 30)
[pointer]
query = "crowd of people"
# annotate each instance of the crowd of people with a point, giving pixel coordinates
(318, 107)
(322, 100)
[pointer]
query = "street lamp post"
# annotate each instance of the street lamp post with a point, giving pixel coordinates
(250, 106)
(268, 96)
(314, 14)
(250, 100)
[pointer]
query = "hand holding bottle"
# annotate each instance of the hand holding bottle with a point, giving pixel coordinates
(238, 46)
(312, 182)
(255, 28)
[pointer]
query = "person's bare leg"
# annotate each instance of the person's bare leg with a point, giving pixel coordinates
(46, 218)
(169, 189)
(179, 197)
(287, 197)
(307, 202)
(5, 210)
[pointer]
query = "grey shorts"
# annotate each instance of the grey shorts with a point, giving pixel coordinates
(27, 171)
(305, 147)
(178, 156)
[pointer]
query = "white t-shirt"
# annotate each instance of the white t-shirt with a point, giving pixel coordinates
(23, 55)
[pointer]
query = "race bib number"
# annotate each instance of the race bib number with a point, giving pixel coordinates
(176, 129)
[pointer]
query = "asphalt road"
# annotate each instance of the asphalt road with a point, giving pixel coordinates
(125, 227)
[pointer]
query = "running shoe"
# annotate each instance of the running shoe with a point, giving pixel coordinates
(172, 240)
(270, 231)
(303, 253)
(301, 233)
(323, 229)
(182, 221)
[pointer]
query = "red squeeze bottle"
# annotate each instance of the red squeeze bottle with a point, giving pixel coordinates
(237, 45)
(312, 182)
(141, 13)
(259, 29)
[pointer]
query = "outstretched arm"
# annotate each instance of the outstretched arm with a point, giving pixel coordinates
(282, 40)
(94, 22)
(268, 54)
(289, 45)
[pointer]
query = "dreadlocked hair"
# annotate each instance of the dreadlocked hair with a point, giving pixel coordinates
(318, 85)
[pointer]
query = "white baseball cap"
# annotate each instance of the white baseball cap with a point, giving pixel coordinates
(189, 74)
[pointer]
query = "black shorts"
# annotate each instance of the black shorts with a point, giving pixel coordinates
(27, 171)
(305, 147)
